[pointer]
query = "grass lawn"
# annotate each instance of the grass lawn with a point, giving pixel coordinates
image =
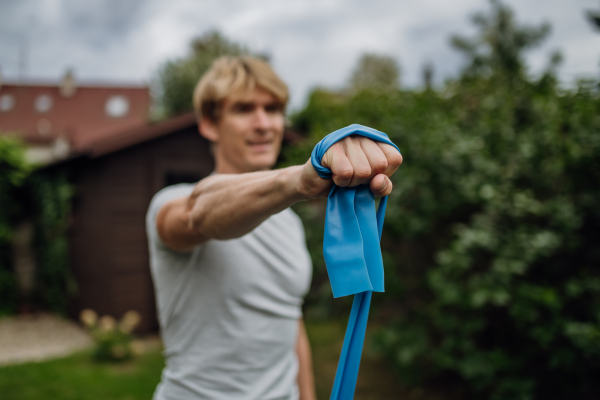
(375, 380)
(78, 377)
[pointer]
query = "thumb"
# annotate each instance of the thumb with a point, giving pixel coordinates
(381, 185)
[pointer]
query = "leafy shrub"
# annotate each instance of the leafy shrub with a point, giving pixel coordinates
(50, 196)
(490, 242)
(45, 198)
(13, 174)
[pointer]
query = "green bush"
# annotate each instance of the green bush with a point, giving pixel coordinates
(45, 198)
(50, 196)
(13, 174)
(491, 236)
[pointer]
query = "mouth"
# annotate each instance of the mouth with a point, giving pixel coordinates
(260, 145)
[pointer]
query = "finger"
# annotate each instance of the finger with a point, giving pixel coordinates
(359, 161)
(376, 156)
(393, 156)
(338, 163)
(381, 185)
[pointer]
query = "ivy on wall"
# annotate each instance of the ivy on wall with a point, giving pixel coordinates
(50, 194)
(13, 174)
(43, 197)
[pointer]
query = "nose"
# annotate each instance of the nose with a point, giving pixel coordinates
(262, 119)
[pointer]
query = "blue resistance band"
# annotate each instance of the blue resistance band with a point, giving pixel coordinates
(352, 254)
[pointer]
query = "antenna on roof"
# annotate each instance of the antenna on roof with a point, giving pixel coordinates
(23, 59)
(68, 86)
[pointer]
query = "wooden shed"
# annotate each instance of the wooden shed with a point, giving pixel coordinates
(114, 182)
(114, 179)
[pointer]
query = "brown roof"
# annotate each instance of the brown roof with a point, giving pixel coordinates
(147, 132)
(123, 139)
(142, 134)
(82, 118)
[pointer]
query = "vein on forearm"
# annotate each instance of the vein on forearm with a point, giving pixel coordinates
(229, 206)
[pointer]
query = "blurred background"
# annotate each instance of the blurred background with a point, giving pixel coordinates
(491, 237)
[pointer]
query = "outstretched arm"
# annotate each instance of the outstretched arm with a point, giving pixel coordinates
(229, 206)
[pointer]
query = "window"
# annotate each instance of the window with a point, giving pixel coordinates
(116, 106)
(7, 102)
(43, 103)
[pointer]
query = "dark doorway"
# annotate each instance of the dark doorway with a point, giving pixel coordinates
(175, 177)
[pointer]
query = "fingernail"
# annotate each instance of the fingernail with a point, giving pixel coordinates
(383, 185)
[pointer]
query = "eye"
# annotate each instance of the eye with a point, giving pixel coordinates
(242, 108)
(273, 108)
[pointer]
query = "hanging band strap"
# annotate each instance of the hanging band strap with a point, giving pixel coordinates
(352, 254)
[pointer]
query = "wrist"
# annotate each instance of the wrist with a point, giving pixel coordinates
(289, 182)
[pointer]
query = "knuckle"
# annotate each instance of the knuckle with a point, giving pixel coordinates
(341, 182)
(345, 173)
(380, 165)
(395, 160)
(363, 172)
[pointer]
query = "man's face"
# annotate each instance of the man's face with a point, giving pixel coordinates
(248, 135)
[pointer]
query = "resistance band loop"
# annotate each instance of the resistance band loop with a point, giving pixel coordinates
(352, 254)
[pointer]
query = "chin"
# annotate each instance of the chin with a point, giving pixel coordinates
(263, 163)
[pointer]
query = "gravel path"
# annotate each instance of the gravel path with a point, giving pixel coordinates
(39, 337)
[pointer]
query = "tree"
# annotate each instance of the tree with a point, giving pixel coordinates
(176, 79)
(375, 72)
(490, 240)
(500, 45)
(594, 18)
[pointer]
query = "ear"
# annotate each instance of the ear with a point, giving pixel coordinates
(208, 129)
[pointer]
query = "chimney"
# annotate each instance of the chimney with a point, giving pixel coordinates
(68, 87)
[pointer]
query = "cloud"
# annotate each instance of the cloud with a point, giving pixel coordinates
(311, 42)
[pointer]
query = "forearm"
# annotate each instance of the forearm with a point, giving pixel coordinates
(229, 206)
(306, 379)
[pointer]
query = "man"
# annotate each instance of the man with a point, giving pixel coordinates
(228, 258)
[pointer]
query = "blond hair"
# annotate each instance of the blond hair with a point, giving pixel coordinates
(229, 75)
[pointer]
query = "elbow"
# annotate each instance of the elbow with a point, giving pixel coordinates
(196, 223)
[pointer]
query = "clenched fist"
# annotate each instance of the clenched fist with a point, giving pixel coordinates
(353, 160)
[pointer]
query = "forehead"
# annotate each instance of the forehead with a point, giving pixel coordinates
(257, 95)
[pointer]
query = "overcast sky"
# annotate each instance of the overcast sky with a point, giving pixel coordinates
(311, 42)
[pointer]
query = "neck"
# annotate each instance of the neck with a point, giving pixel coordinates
(224, 166)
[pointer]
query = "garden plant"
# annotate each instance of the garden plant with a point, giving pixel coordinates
(491, 234)
(113, 338)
